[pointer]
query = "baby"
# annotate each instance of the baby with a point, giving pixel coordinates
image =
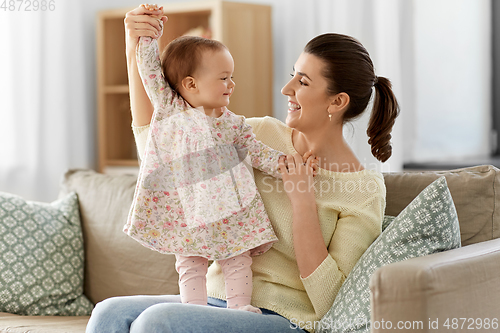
(195, 194)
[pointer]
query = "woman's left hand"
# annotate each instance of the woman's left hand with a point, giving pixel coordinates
(298, 177)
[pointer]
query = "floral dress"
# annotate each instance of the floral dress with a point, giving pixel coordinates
(195, 194)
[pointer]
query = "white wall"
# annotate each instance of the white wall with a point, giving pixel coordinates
(450, 115)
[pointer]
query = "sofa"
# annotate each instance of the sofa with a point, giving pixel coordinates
(459, 283)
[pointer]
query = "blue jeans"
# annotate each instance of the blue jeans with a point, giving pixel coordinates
(163, 314)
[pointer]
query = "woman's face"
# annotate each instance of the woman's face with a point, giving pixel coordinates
(308, 100)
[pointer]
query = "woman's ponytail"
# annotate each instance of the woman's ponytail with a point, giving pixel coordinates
(384, 113)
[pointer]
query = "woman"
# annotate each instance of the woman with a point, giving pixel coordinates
(324, 224)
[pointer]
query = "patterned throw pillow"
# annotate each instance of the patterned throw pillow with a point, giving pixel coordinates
(427, 225)
(41, 257)
(387, 220)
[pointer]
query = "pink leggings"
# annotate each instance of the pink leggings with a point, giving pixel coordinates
(237, 275)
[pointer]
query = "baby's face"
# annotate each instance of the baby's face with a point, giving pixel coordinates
(214, 79)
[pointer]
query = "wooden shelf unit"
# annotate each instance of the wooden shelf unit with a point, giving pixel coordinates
(244, 28)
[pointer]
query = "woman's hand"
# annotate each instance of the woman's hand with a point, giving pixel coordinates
(145, 20)
(298, 176)
(314, 163)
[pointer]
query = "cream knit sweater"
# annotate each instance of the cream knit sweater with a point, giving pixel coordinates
(350, 209)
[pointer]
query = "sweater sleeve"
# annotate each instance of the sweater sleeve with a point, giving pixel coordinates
(141, 136)
(262, 156)
(256, 123)
(356, 229)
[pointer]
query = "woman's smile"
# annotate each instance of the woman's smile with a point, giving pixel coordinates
(293, 107)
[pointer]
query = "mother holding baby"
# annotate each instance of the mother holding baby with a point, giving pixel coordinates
(323, 225)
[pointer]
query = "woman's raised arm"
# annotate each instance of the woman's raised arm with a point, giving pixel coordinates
(140, 22)
(309, 245)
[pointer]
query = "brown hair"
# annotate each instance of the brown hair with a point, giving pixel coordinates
(182, 56)
(349, 69)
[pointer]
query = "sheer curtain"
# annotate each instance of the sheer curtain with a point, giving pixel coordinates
(44, 118)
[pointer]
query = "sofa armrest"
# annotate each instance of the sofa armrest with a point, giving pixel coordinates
(428, 292)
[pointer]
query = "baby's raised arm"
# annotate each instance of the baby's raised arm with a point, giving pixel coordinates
(149, 66)
(262, 157)
(265, 158)
(140, 22)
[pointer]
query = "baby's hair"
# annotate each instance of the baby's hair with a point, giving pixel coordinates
(182, 57)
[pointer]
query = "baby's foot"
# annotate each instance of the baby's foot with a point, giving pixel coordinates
(250, 309)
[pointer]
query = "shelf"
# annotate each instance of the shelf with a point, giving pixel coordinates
(116, 89)
(124, 162)
(119, 138)
(113, 52)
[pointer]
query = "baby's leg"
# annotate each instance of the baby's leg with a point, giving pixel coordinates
(238, 277)
(192, 279)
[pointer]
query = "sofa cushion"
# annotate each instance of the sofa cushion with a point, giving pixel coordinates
(41, 257)
(475, 191)
(116, 265)
(427, 225)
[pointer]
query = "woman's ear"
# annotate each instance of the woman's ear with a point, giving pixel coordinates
(189, 84)
(339, 103)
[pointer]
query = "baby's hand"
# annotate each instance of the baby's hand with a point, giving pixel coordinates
(152, 7)
(161, 18)
(313, 162)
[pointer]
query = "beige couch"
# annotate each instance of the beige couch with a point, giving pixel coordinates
(461, 283)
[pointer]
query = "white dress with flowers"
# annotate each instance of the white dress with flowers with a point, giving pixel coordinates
(195, 193)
